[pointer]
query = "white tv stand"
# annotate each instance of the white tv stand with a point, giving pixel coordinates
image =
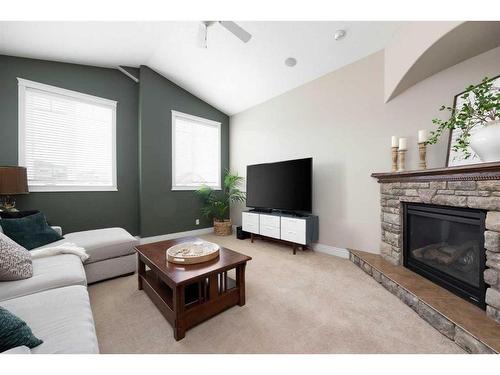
(298, 231)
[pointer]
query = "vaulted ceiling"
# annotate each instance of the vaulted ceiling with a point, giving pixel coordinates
(229, 74)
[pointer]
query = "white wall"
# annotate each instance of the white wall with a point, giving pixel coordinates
(341, 120)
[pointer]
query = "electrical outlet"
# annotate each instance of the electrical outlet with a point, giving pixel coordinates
(197, 222)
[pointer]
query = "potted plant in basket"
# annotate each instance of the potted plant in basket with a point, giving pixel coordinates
(477, 120)
(216, 203)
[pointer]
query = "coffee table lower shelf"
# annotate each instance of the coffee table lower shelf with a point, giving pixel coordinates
(188, 305)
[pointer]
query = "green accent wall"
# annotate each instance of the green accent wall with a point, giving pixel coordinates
(76, 211)
(161, 209)
(144, 203)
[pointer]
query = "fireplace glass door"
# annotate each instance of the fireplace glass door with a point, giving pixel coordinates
(446, 245)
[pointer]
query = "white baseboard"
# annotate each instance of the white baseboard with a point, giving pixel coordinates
(331, 250)
(170, 236)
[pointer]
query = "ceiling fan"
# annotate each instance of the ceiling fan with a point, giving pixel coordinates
(230, 26)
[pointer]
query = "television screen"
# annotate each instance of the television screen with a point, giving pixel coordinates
(285, 185)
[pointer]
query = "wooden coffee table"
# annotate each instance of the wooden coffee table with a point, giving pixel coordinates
(187, 295)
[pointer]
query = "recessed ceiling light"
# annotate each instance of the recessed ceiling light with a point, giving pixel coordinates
(339, 34)
(291, 61)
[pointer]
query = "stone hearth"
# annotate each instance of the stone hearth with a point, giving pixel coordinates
(455, 318)
(474, 186)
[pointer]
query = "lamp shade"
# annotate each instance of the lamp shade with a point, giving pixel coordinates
(13, 180)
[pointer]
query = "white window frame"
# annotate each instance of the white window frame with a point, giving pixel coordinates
(23, 84)
(204, 121)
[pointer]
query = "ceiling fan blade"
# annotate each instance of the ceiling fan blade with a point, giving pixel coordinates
(202, 35)
(238, 31)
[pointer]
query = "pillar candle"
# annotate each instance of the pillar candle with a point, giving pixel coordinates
(422, 136)
(394, 141)
(403, 143)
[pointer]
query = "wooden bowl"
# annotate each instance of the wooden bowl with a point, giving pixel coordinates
(192, 252)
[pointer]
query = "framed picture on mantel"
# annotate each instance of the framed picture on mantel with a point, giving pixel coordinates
(454, 158)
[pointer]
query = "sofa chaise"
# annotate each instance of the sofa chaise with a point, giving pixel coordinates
(111, 251)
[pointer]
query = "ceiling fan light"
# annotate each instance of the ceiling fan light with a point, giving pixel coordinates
(339, 34)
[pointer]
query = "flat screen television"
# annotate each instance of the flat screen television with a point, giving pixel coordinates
(285, 185)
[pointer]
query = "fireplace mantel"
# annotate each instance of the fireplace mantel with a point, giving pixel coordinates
(472, 172)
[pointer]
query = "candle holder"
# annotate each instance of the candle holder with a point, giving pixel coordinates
(401, 160)
(394, 159)
(422, 150)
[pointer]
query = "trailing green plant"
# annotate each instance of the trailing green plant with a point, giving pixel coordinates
(216, 203)
(481, 105)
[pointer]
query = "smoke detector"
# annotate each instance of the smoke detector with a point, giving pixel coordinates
(339, 34)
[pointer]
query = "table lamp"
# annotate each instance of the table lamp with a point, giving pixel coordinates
(13, 181)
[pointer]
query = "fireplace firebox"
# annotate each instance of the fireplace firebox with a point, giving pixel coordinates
(446, 245)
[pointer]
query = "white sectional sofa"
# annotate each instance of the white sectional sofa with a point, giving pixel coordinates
(55, 303)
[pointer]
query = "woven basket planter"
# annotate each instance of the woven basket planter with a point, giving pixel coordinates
(222, 228)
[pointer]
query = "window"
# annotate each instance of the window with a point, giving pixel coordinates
(196, 152)
(67, 140)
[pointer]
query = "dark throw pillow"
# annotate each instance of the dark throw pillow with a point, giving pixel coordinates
(30, 231)
(17, 214)
(15, 332)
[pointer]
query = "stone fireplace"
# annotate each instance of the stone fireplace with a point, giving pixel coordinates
(474, 193)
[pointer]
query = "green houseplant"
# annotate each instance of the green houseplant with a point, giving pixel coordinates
(480, 109)
(216, 203)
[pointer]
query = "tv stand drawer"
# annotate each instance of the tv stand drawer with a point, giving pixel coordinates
(250, 222)
(269, 225)
(269, 231)
(293, 230)
(269, 220)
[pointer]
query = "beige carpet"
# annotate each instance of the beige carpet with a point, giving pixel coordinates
(308, 303)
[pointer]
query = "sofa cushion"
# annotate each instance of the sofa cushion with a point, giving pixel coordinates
(15, 332)
(61, 317)
(30, 231)
(18, 350)
(102, 244)
(48, 273)
(15, 260)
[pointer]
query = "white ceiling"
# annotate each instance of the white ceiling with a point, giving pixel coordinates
(230, 75)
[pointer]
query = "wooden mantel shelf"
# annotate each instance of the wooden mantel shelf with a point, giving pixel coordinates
(472, 172)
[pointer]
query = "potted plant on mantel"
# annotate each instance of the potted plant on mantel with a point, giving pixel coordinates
(480, 111)
(216, 203)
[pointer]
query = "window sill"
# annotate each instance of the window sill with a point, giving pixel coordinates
(59, 189)
(192, 188)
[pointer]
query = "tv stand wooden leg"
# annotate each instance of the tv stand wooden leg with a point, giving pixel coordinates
(294, 249)
(251, 237)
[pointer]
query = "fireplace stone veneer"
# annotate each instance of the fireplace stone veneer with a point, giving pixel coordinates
(474, 186)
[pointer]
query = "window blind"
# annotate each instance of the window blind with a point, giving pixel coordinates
(68, 140)
(196, 152)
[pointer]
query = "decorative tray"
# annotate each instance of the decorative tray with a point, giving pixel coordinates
(192, 252)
